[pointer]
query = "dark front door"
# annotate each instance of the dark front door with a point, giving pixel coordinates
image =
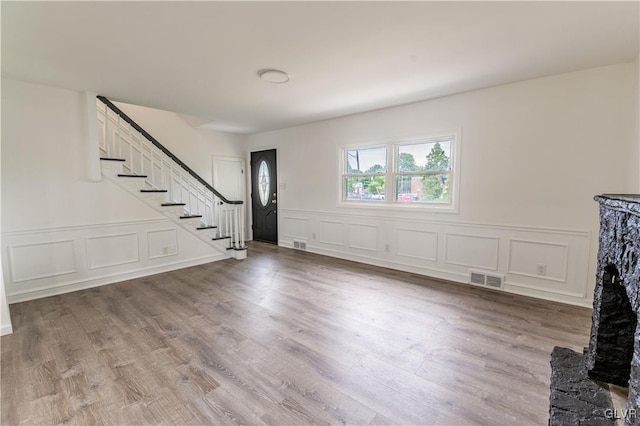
(264, 198)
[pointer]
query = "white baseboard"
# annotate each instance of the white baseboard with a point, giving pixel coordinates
(430, 272)
(111, 279)
(6, 329)
(442, 275)
(550, 296)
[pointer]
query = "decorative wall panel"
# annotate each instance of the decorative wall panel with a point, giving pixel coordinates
(331, 232)
(112, 250)
(417, 244)
(294, 227)
(363, 237)
(41, 260)
(526, 257)
(474, 251)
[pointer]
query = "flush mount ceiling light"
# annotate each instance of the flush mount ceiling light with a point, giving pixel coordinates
(273, 76)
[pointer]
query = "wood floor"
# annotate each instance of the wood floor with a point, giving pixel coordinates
(284, 337)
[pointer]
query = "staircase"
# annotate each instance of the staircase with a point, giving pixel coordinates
(138, 163)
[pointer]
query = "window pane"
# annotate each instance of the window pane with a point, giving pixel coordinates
(430, 157)
(423, 189)
(264, 180)
(365, 188)
(370, 160)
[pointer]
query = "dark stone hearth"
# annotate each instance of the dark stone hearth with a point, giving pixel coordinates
(575, 399)
(613, 355)
(615, 333)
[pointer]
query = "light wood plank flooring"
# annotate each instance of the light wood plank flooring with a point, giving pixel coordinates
(284, 337)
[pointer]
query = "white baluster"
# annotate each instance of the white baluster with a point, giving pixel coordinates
(106, 131)
(119, 135)
(163, 179)
(216, 215)
(119, 146)
(130, 157)
(241, 225)
(153, 169)
(236, 227)
(141, 155)
(170, 185)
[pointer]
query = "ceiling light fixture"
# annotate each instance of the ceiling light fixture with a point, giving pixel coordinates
(273, 76)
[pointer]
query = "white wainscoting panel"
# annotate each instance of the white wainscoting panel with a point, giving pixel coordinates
(474, 251)
(449, 250)
(526, 255)
(566, 257)
(44, 262)
(294, 227)
(41, 260)
(162, 243)
(417, 244)
(112, 250)
(330, 232)
(363, 237)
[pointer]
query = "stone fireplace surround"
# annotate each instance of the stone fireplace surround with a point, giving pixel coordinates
(613, 355)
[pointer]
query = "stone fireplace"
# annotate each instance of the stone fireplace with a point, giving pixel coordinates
(579, 390)
(613, 355)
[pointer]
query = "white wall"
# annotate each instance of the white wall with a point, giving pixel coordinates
(5, 316)
(60, 231)
(534, 153)
(637, 113)
(172, 131)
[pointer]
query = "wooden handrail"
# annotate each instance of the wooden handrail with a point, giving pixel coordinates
(161, 147)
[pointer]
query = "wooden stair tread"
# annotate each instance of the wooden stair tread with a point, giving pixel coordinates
(206, 227)
(172, 204)
(190, 216)
(112, 159)
(132, 176)
(153, 190)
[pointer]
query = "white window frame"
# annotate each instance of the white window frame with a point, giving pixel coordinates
(390, 203)
(344, 174)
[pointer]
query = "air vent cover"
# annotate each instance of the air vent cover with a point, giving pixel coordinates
(494, 281)
(477, 278)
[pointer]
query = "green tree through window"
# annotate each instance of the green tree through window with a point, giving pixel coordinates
(406, 163)
(435, 187)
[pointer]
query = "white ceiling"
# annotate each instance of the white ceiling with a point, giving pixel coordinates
(201, 58)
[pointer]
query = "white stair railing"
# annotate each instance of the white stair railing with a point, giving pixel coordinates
(120, 137)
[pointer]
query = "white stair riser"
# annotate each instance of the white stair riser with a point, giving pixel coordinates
(176, 211)
(133, 183)
(191, 223)
(111, 168)
(207, 233)
(152, 198)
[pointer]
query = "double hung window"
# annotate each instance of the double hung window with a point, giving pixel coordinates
(417, 172)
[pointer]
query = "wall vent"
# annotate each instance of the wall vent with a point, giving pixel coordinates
(478, 278)
(493, 281)
(296, 244)
(300, 245)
